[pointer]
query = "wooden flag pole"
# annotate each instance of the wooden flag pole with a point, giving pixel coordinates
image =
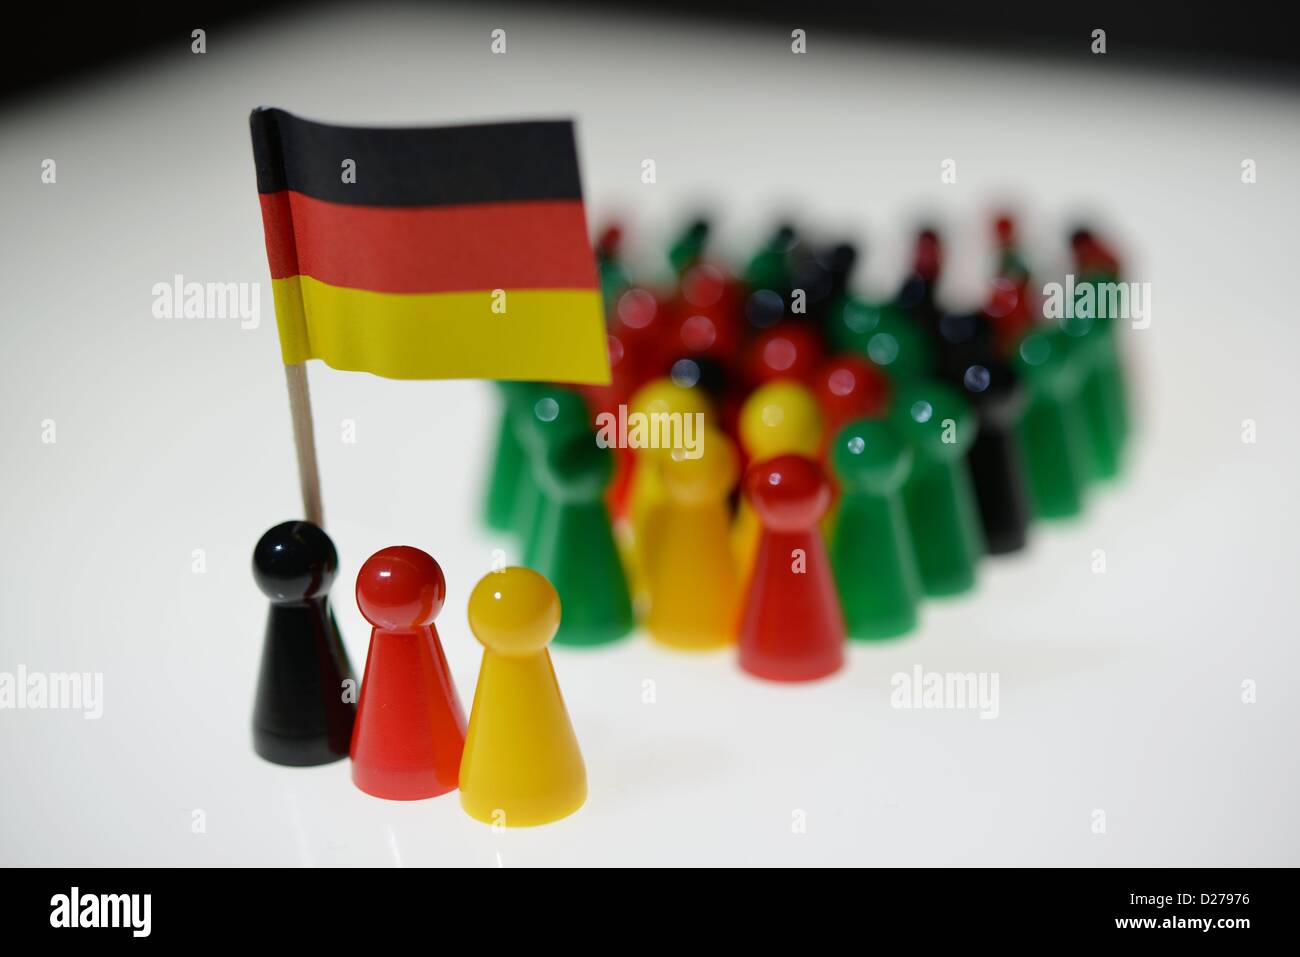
(304, 441)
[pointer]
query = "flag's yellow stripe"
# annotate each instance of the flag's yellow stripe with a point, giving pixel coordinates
(550, 334)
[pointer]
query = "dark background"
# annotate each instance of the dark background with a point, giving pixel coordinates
(50, 45)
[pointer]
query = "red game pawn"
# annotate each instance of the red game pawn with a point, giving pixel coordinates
(788, 350)
(793, 629)
(850, 387)
(707, 316)
(640, 324)
(410, 727)
(1091, 255)
(1011, 307)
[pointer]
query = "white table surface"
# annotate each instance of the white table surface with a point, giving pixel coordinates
(1119, 692)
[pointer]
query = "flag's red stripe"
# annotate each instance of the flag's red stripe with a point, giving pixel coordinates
(534, 244)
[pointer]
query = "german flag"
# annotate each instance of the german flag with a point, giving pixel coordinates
(442, 253)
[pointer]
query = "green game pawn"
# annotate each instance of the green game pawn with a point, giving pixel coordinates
(1086, 339)
(769, 268)
(507, 461)
(938, 496)
(685, 250)
(883, 334)
(1112, 387)
(554, 414)
(519, 412)
(1053, 431)
(576, 548)
(870, 545)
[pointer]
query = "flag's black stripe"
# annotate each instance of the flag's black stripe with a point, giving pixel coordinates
(498, 162)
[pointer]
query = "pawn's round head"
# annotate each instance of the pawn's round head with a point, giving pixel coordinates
(702, 474)
(870, 456)
(994, 390)
(294, 561)
(882, 333)
(514, 611)
(961, 333)
(840, 259)
(553, 413)
(786, 351)
(936, 419)
(780, 418)
(1046, 361)
(789, 492)
(702, 373)
(665, 396)
(849, 386)
(399, 588)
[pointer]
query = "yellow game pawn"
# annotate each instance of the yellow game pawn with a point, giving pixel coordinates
(780, 418)
(521, 764)
(659, 397)
(693, 585)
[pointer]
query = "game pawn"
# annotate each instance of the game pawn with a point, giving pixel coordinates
(1105, 390)
(770, 266)
(301, 715)
(522, 764)
(520, 400)
(554, 414)
(793, 629)
(822, 277)
(883, 334)
(657, 398)
(780, 418)
(1011, 305)
(918, 295)
(940, 502)
(788, 350)
(968, 360)
(410, 727)
(507, 462)
(704, 317)
(575, 545)
(870, 545)
(996, 458)
(1054, 430)
(687, 247)
(850, 387)
(693, 586)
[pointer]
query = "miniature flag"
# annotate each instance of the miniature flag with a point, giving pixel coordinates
(456, 252)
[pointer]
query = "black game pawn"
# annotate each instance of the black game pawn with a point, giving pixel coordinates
(764, 308)
(703, 373)
(918, 296)
(823, 275)
(300, 717)
(996, 459)
(966, 353)
(961, 338)
(840, 260)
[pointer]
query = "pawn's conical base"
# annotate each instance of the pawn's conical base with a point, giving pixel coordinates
(577, 552)
(301, 717)
(295, 752)
(522, 765)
